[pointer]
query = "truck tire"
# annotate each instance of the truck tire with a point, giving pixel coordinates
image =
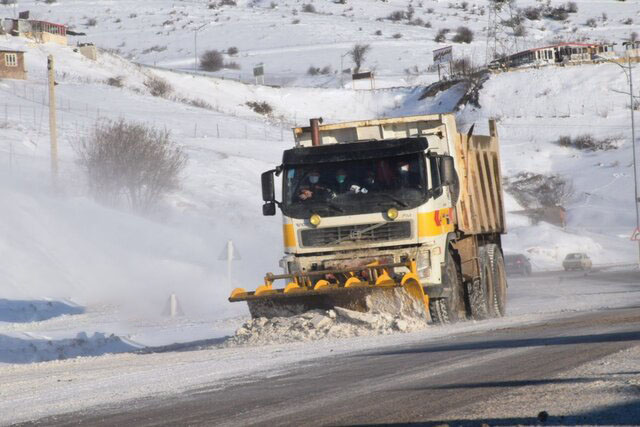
(499, 282)
(479, 292)
(447, 310)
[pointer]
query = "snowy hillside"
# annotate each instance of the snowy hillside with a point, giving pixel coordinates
(67, 246)
(289, 40)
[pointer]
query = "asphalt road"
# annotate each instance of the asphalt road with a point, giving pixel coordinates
(417, 383)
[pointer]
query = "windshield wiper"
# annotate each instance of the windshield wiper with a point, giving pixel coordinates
(395, 199)
(310, 207)
(334, 206)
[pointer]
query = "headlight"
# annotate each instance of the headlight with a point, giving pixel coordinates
(423, 262)
(392, 213)
(315, 220)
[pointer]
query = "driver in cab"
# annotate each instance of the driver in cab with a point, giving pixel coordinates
(313, 189)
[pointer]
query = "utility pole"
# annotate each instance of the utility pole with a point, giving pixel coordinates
(341, 69)
(52, 120)
(633, 147)
(341, 80)
(195, 45)
(636, 199)
(195, 50)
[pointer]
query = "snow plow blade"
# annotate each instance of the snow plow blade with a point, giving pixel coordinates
(338, 288)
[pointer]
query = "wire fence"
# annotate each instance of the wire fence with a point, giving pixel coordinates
(33, 167)
(77, 118)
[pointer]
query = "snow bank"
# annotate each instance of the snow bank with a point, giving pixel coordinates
(321, 324)
(28, 348)
(35, 311)
(386, 315)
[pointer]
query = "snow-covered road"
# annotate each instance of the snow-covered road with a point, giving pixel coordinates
(35, 390)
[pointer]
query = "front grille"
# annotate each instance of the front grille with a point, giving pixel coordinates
(332, 236)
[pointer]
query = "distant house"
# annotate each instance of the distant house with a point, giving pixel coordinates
(632, 49)
(12, 64)
(40, 31)
(561, 53)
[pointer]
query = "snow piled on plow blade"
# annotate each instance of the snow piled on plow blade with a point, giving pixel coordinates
(388, 312)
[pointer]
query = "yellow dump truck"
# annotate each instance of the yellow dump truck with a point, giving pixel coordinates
(388, 207)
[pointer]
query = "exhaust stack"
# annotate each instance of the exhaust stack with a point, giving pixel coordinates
(315, 131)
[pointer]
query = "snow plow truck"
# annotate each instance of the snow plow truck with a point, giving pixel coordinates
(379, 210)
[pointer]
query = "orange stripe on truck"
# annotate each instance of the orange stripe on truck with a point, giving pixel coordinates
(289, 236)
(435, 223)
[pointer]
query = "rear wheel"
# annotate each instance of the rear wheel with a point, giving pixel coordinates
(479, 290)
(447, 310)
(498, 306)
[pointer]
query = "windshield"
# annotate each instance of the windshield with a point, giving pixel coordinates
(357, 186)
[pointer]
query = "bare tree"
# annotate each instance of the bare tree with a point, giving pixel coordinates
(462, 67)
(130, 161)
(358, 54)
(463, 35)
(158, 86)
(211, 60)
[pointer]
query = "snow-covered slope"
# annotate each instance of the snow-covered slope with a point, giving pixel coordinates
(288, 40)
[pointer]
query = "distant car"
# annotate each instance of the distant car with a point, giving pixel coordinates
(577, 261)
(517, 264)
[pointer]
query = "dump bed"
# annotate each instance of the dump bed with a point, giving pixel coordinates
(480, 208)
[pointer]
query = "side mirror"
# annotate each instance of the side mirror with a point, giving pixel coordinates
(268, 191)
(447, 170)
(269, 209)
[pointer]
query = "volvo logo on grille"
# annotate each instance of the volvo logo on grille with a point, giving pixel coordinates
(332, 236)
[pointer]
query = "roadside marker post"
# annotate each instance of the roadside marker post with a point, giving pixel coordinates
(229, 253)
(172, 307)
